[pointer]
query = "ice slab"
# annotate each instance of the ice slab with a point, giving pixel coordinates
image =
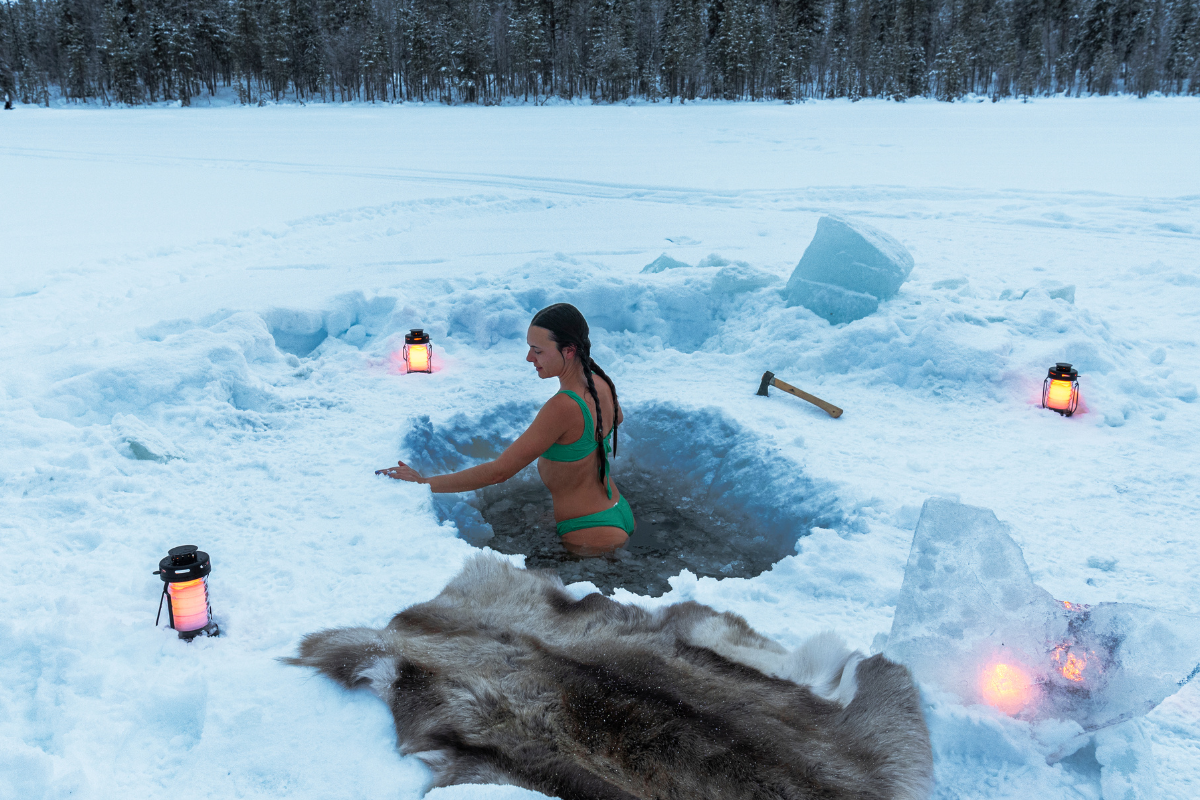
(970, 620)
(1057, 290)
(851, 256)
(662, 264)
(832, 303)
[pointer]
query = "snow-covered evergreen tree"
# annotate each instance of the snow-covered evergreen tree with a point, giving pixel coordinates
(246, 47)
(131, 51)
(119, 51)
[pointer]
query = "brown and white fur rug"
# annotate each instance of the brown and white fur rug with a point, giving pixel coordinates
(505, 678)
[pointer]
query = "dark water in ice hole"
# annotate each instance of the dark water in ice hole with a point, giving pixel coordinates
(674, 532)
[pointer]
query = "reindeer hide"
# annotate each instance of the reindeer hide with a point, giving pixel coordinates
(505, 678)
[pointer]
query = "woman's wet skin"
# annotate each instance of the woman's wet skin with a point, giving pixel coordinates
(574, 485)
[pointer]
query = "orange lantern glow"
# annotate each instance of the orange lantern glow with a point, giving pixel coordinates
(1071, 662)
(185, 586)
(418, 352)
(1060, 392)
(1006, 687)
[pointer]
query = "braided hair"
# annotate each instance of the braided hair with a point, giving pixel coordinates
(568, 328)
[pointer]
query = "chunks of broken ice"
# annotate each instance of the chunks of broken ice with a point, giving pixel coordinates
(718, 260)
(846, 269)
(665, 262)
(145, 443)
(662, 264)
(971, 621)
(741, 277)
(1055, 290)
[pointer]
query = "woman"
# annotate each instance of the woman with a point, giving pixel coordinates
(569, 437)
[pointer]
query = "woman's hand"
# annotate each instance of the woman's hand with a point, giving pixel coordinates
(548, 426)
(402, 472)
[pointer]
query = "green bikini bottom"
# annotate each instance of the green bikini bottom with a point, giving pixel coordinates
(619, 516)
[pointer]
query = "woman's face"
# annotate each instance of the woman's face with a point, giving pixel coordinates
(544, 354)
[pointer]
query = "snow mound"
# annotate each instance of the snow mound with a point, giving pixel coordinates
(350, 317)
(679, 308)
(971, 621)
(718, 260)
(213, 367)
(847, 269)
(740, 277)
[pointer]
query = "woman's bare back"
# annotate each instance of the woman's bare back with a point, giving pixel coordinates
(575, 486)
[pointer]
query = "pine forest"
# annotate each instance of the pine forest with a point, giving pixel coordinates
(492, 51)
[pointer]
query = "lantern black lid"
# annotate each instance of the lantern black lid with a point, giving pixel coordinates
(416, 336)
(1063, 371)
(184, 563)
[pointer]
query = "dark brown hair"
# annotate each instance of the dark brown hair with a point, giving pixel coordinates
(568, 328)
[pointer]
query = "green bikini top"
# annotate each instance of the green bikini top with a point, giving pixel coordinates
(585, 444)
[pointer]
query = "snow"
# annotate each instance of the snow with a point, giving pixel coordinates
(201, 310)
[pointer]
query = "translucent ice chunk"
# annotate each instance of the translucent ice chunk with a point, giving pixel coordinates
(854, 257)
(662, 264)
(832, 303)
(738, 278)
(971, 621)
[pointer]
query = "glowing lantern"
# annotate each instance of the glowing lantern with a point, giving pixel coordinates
(1071, 662)
(185, 586)
(418, 352)
(1072, 667)
(1006, 687)
(1060, 392)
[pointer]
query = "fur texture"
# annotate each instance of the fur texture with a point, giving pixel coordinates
(505, 678)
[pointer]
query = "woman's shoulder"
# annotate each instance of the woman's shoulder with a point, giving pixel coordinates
(562, 402)
(565, 397)
(570, 402)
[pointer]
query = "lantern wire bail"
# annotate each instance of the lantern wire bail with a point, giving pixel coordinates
(158, 616)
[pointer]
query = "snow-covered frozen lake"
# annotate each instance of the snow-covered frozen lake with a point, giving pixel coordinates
(221, 292)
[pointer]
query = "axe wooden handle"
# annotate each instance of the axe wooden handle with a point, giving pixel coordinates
(828, 408)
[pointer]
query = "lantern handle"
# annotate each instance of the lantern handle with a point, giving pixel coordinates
(158, 616)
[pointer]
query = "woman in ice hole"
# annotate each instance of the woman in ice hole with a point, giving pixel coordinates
(569, 437)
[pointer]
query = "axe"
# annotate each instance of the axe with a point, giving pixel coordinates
(769, 379)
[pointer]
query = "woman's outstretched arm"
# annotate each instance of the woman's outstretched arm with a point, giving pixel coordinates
(551, 422)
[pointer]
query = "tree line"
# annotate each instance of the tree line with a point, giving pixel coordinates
(487, 51)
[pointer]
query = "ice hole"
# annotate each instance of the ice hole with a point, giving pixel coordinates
(708, 498)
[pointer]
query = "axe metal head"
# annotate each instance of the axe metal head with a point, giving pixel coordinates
(766, 381)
